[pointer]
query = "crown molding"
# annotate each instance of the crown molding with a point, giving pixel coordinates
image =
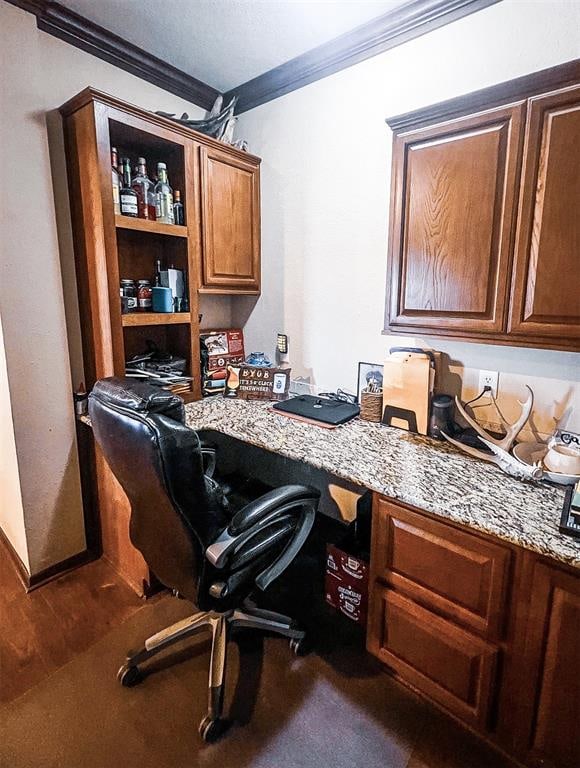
(376, 36)
(84, 34)
(521, 88)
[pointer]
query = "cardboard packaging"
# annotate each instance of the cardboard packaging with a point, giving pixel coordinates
(347, 584)
(220, 348)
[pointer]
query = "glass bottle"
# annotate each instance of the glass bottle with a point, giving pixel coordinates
(116, 181)
(178, 209)
(163, 196)
(128, 196)
(143, 186)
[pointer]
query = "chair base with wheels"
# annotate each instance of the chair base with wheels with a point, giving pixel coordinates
(219, 625)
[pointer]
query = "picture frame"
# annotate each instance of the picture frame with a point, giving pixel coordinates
(365, 374)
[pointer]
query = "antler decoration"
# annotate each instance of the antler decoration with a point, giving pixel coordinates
(500, 448)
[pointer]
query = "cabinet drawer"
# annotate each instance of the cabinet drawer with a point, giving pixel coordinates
(456, 573)
(448, 664)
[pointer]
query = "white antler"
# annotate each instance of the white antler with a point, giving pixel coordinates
(512, 430)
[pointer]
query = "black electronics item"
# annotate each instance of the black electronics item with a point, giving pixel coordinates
(321, 409)
(570, 520)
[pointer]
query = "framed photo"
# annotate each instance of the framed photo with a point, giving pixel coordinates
(369, 373)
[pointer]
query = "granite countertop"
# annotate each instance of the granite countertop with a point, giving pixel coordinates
(425, 473)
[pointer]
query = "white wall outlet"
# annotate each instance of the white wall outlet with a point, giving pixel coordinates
(489, 379)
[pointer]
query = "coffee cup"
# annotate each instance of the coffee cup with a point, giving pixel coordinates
(563, 459)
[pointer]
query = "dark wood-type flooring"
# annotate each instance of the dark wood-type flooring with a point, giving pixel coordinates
(45, 629)
(61, 646)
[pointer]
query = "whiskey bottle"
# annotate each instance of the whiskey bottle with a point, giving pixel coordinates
(163, 196)
(178, 208)
(129, 206)
(143, 187)
(116, 181)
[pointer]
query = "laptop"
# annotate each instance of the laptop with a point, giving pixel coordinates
(332, 412)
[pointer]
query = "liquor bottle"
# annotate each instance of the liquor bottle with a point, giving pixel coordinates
(143, 186)
(158, 272)
(163, 196)
(116, 181)
(128, 196)
(178, 208)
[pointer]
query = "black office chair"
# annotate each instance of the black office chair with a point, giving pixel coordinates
(195, 533)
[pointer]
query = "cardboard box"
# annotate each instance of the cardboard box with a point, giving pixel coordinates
(347, 584)
(223, 347)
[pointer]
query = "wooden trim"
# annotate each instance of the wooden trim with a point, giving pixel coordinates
(496, 95)
(63, 23)
(144, 225)
(155, 318)
(35, 580)
(376, 36)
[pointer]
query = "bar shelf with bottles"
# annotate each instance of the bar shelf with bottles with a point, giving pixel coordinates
(153, 249)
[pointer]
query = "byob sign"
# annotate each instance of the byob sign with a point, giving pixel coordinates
(250, 382)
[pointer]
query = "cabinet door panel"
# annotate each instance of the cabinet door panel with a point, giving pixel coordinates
(230, 191)
(546, 294)
(448, 664)
(553, 635)
(454, 572)
(452, 212)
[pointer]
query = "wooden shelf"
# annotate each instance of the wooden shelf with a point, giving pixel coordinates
(144, 225)
(155, 318)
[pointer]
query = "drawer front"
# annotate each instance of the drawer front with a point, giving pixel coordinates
(448, 664)
(456, 573)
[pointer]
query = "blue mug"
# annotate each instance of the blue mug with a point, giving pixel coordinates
(162, 299)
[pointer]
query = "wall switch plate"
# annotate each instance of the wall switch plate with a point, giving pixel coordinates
(489, 379)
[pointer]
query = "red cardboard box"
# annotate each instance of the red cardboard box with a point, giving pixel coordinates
(347, 584)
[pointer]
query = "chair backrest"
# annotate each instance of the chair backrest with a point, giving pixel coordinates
(157, 460)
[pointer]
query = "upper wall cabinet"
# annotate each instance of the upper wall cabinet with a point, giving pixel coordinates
(453, 200)
(546, 294)
(230, 205)
(484, 238)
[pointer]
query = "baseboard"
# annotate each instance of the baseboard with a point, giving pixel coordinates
(35, 580)
(21, 569)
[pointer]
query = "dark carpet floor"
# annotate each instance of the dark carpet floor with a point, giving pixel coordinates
(335, 709)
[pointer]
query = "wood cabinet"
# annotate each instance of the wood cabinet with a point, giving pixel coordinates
(483, 629)
(553, 669)
(451, 666)
(546, 287)
(484, 237)
(230, 198)
(453, 193)
(220, 238)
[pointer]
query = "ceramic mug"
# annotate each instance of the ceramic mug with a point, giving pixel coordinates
(563, 459)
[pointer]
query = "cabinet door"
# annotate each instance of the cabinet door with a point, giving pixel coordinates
(452, 205)
(546, 292)
(552, 664)
(449, 665)
(230, 200)
(454, 572)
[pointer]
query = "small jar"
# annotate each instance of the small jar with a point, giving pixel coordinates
(128, 296)
(144, 295)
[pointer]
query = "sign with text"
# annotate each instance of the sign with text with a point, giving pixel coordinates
(252, 382)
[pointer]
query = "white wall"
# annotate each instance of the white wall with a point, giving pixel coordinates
(38, 301)
(11, 513)
(325, 189)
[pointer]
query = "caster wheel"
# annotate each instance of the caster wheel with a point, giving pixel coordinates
(299, 646)
(211, 730)
(130, 676)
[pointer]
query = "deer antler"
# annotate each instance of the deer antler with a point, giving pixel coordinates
(512, 430)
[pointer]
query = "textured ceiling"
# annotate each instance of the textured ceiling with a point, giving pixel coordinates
(227, 42)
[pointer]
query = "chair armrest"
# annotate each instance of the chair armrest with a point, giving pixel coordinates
(260, 512)
(209, 458)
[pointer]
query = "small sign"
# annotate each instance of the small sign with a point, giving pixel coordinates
(252, 382)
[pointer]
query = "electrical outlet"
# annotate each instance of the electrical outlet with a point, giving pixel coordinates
(489, 379)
